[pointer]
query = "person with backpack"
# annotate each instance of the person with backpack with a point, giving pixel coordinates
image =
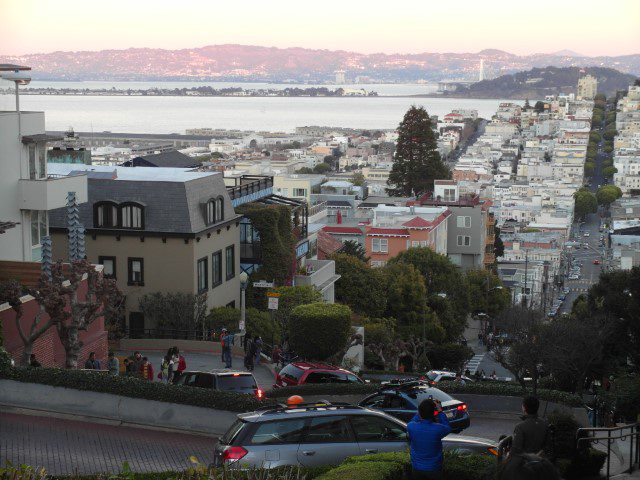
(249, 353)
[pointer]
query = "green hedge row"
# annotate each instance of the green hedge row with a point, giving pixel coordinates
(133, 387)
(478, 388)
(396, 466)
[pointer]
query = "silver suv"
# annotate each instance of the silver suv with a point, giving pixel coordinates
(314, 434)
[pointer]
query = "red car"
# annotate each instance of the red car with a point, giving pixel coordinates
(596, 262)
(301, 373)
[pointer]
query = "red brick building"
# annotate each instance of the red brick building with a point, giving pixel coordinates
(48, 348)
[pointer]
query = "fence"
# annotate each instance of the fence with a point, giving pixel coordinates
(598, 435)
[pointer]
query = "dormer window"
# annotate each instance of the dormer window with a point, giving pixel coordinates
(106, 215)
(214, 210)
(132, 215)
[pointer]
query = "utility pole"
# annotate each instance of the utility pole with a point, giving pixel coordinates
(526, 271)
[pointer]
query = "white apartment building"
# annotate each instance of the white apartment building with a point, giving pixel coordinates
(587, 87)
(27, 191)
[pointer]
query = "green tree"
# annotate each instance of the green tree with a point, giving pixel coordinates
(585, 202)
(498, 245)
(290, 298)
(486, 292)
(609, 171)
(321, 168)
(610, 133)
(406, 294)
(600, 97)
(257, 322)
(447, 292)
(539, 106)
(305, 171)
(319, 330)
(589, 168)
(353, 248)
(607, 194)
(594, 137)
(358, 179)
(360, 286)
(417, 162)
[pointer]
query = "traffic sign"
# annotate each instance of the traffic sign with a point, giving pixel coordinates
(263, 284)
(273, 294)
(273, 303)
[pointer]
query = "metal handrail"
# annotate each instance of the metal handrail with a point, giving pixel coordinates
(613, 433)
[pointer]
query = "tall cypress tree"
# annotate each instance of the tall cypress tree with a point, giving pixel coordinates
(417, 162)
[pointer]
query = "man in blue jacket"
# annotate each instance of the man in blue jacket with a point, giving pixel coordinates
(426, 431)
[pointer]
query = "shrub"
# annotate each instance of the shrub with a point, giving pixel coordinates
(587, 464)
(365, 471)
(448, 356)
(319, 330)
(134, 387)
(257, 322)
(468, 467)
(565, 427)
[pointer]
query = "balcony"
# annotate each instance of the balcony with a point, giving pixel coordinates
(250, 188)
(489, 258)
(51, 192)
(321, 274)
(490, 239)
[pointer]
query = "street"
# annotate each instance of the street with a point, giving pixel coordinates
(74, 447)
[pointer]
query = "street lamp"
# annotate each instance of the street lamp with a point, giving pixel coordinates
(244, 280)
(14, 73)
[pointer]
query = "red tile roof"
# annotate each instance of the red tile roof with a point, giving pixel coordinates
(389, 232)
(327, 245)
(418, 222)
(342, 230)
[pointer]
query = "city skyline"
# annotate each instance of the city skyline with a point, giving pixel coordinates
(34, 26)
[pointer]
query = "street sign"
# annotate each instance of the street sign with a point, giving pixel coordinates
(273, 303)
(273, 294)
(263, 284)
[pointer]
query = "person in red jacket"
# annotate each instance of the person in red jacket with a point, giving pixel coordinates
(182, 364)
(146, 369)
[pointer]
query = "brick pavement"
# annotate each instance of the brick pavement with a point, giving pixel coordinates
(68, 446)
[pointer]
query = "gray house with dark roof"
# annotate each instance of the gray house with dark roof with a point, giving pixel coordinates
(157, 230)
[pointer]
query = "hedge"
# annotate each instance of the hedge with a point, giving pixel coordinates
(480, 388)
(133, 387)
(397, 465)
(319, 330)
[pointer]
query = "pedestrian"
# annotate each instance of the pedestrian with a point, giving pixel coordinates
(163, 374)
(128, 367)
(182, 364)
(459, 380)
(249, 353)
(33, 362)
(257, 344)
(113, 364)
(532, 434)
(494, 376)
(226, 351)
(137, 362)
(146, 369)
(527, 467)
(426, 431)
(467, 373)
(223, 337)
(276, 354)
(246, 340)
(92, 363)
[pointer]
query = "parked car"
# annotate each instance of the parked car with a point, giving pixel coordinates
(596, 262)
(299, 373)
(225, 380)
(401, 400)
(436, 376)
(586, 234)
(573, 277)
(314, 434)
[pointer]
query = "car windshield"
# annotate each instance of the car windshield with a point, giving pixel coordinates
(236, 382)
(228, 437)
(432, 376)
(292, 372)
(435, 394)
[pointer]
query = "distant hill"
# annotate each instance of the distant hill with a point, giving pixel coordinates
(538, 82)
(293, 65)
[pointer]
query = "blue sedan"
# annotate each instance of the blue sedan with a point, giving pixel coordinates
(402, 402)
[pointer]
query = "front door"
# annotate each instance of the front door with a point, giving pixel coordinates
(136, 325)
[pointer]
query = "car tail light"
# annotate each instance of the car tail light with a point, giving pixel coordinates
(233, 454)
(236, 374)
(259, 393)
(492, 451)
(462, 408)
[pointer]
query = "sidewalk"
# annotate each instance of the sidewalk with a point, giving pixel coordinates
(209, 361)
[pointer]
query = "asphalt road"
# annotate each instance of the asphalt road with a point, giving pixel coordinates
(65, 447)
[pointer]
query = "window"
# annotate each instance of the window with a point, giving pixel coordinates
(449, 194)
(37, 162)
(324, 377)
(219, 210)
(299, 192)
(109, 264)
(423, 243)
(132, 216)
(378, 263)
(216, 269)
(328, 430)
(38, 232)
(380, 245)
(203, 275)
(279, 432)
(136, 271)
(230, 261)
(463, 222)
(415, 243)
(204, 380)
(105, 215)
(211, 212)
(369, 428)
(463, 240)
(376, 401)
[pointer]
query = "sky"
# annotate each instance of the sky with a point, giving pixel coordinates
(588, 27)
